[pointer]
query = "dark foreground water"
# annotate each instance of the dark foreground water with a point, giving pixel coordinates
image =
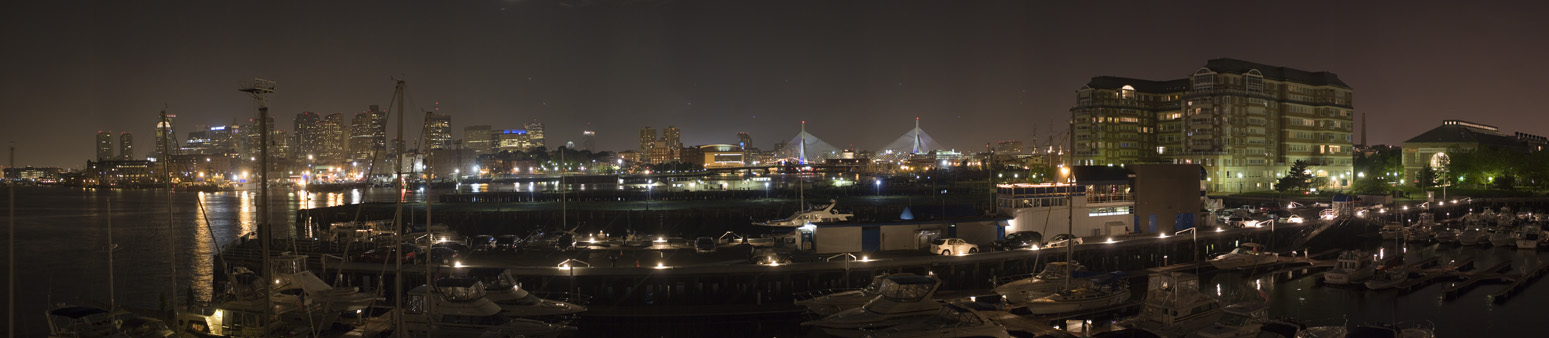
(62, 240)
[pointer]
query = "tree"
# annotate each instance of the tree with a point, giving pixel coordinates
(1506, 182)
(1297, 179)
(1426, 178)
(1372, 185)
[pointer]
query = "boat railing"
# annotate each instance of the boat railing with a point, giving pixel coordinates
(800, 296)
(1013, 278)
(568, 297)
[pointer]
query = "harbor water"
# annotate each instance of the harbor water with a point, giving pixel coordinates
(62, 257)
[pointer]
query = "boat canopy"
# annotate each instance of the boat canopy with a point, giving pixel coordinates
(908, 288)
(461, 289)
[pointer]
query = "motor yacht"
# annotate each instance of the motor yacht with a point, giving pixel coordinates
(821, 214)
(1174, 306)
(1445, 235)
(1387, 278)
(1025, 288)
(459, 307)
(1242, 320)
(1502, 237)
(1419, 233)
(824, 304)
(902, 299)
(1392, 230)
(82, 321)
(953, 320)
(1246, 256)
(1528, 236)
(292, 279)
(514, 301)
(1106, 290)
(1473, 236)
(1353, 266)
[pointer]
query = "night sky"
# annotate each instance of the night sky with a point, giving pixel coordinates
(857, 71)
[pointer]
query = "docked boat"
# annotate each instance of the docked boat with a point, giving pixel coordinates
(1392, 230)
(240, 310)
(1023, 289)
(1528, 236)
(1246, 256)
(1242, 320)
(902, 299)
(1419, 233)
(517, 302)
(1473, 236)
(458, 307)
(1174, 306)
(821, 214)
(830, 303)
(1387, 279)
(1445, 235)
(1106, 290)
(292, 280)
(82, 321)
(952, 321)
(1502, 237)
(1353, 266)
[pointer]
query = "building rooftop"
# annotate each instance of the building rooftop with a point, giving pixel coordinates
(1465, 133)
(1235, 66)
(1145, 86)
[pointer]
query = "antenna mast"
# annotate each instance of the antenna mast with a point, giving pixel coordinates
(260, 90)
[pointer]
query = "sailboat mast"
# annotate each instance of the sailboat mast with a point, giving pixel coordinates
(11, 285)
(171, 222)
(112, 299)
(260, 90)
(398, 211)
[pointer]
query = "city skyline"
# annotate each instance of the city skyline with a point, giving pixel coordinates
(975, 73)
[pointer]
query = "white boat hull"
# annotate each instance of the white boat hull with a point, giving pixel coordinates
(1041, 307)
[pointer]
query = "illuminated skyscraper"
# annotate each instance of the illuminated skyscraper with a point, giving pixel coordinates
(104, 145)
(165, 135)
(126, 146)
(588, 140)
(647, 141)
(308, 135)
(438, 131)
(746, 142)
(672, 137)
(479, 139)
(332, 141)
(368, 134)
(535, 134)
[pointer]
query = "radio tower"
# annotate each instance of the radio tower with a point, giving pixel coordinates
(260, 90)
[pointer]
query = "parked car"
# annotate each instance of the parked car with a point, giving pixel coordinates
(506, 242)
(1061, 240)
(443, 255)
(704, 245)
(410, 254)
(482, 242)
(455, 246)
(1018, 240)
(953, 246)
(767, 255)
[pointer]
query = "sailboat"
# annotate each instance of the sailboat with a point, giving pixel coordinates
(1023, 289)
(902, 299)
(1107, 290)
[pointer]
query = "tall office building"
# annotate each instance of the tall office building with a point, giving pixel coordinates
(535, 134)
(332, 142)
(166, 139)
(672, 138)
(647, 140)
(479, 138)
(438, 131)
(1244, 122)
(125, 146)
(104, 145)
(368, 134)
(746, 142)
(588, 140)
(308, 136)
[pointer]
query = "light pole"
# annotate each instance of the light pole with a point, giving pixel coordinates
(569, 266)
